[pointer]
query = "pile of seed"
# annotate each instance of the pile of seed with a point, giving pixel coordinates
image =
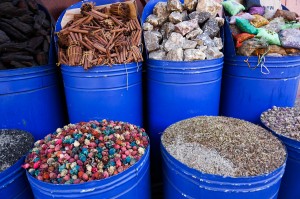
(13, 145)
(224, 146)
(283, 120)
(86, 151)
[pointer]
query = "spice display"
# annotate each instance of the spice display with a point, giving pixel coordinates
(13, 145)
(184, 32)
(279, 27)
(86, 151)
(104, 35)
(283, 120)
(25, 33)
(224, 146)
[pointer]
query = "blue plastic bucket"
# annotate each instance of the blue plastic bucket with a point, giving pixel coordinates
(176, 91)
(289, 188)
(247, 93)
(30, 99)
(103, 92)
(131, 183)
(13, 182)
(180, 181)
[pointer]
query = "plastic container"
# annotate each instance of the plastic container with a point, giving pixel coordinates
(31, 98)
(178, 90)
(13, 182)
(180, 181)
(103, 92)
(289, 188)
(131, 183)
(247, 93)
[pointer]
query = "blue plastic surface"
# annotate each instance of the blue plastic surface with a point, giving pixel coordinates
(131, 183)
(180, 181)
(103, 92)
(246, 93)
(289, 188)
(13, 182)
(30, 98)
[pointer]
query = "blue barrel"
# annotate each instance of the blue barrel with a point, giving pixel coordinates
(247, 93)
(13, 182)
(289, 188)
(181, 181)
(30, 99)
(131, 183)
(103, 92)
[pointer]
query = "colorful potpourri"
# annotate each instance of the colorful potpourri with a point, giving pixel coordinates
(86, 151)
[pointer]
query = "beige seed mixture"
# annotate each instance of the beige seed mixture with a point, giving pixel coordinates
(224, 146)
(283, 120)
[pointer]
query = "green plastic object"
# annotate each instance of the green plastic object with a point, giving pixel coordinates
(291, 26)
(245, 26)
(232, 7)
(270, 36)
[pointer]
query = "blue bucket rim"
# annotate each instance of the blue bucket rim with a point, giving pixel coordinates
(27, 70)
(103, 68)
(231, 178)
(59, 28)
(108, 180)
(284, 139)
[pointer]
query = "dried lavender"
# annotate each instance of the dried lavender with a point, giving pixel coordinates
(283, 120)
(224, 146)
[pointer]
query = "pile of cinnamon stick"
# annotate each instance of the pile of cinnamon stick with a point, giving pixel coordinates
(98, 37)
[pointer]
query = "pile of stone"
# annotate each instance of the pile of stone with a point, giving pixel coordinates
(184, 32)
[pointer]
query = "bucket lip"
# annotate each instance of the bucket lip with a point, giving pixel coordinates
(220, 177)
(104, 181)
(18, 163)
(102, 68)
(284, 139)
(10, 170)
(160, 62)
(25, 71)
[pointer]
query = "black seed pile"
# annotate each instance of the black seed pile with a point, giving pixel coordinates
(224, 146)
(13, 145)
(283, 120)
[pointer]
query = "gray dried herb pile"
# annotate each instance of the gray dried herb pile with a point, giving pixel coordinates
(224, 146)
(283, 120)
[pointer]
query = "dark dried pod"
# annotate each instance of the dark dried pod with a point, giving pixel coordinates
(12, 32)
(8, 58)
(34, 42)
(12, 47)
(46, 46)
(3, 37)
(27, 19)
(22, 27)
(42, 58)
(33, 6)
(16, 64)
(39, 19)
(22, 4)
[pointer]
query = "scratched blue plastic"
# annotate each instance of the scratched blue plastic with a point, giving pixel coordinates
(289, 188)
(180, 181)
(246, 93)
(103, 92)
(130, 184)
(31, 98)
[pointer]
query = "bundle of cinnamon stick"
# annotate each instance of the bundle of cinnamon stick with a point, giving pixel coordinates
(98, 37)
